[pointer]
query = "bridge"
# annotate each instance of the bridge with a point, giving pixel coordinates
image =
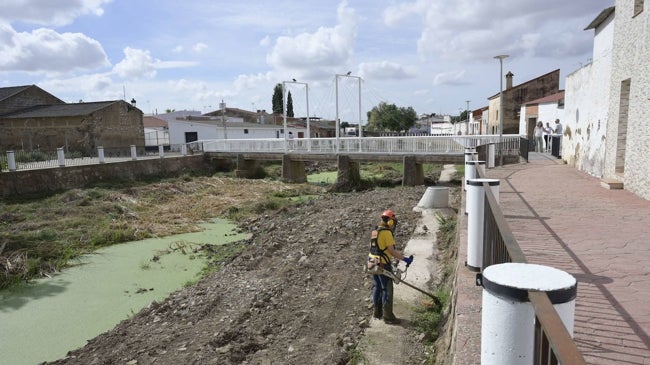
(348, 152)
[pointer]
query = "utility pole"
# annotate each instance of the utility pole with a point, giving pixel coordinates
(500, 58)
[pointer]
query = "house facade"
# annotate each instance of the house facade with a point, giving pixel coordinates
(608, 101)
(546, 110)
(587, 95)
(515, 96)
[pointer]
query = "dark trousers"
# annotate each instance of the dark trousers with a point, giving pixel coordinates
(382, 293)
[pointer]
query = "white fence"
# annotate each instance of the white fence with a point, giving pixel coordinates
(423, 145)
(348, 145)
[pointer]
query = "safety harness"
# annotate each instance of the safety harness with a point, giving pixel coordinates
(376, 253)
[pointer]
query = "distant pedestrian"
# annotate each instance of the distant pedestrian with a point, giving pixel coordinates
(558, 127)
(291, 140)
(539, 137)
(547, 136)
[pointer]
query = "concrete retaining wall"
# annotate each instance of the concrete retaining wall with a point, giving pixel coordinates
(53, 179)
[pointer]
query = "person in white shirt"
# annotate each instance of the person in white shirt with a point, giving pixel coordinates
(547, 138)
(558, 127)
(539, 137)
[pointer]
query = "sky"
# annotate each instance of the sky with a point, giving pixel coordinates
(431, 55)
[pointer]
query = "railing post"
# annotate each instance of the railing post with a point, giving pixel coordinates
(11, 160)
(61, 155)
(490, 155)
(508, 318)
(476, 219)
(184, 149)
(161, 151)
(100, 154)
(134, 153)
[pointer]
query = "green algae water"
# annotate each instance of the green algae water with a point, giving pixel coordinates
(44, 320)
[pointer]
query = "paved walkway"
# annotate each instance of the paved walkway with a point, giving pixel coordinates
(563, 218)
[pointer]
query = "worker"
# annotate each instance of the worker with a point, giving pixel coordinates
(382, 252)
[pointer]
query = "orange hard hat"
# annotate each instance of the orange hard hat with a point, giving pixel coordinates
(388, 213)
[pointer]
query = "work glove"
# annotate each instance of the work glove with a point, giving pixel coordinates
(408, 260)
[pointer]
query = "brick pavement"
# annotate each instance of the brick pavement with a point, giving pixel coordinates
(563, 218)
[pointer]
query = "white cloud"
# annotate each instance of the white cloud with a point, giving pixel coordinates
(320, 53)
(54, 13)
(45, 50)
(265, 42)
(138, 63)
(461, 30)
(200, 47)
(449, 78)
(384, 70)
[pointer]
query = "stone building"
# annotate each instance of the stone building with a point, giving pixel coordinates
(515, 96)
(32, 119)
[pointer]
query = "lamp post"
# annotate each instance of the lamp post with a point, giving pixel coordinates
(222, 106)
(500, 58)
(284, 109)
(337, 106)
(467, 116)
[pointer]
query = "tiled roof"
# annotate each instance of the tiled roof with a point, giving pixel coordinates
(153, 122)
(548, 99)
(6, 92)
(60, 110)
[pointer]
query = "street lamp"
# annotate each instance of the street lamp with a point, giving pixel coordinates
(284, 108)
(222, 106)
(500, 58)
(467, 116)
(337, 106)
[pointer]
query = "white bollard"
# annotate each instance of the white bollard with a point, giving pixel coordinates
(134, 153)
(61, 155)
(508, 318)
(11, 160)
(476, 219)
(161, 151)
(184, 149)
(434, 197)
(100, 154)
(490, 156)
(471, 156)
(470, 170)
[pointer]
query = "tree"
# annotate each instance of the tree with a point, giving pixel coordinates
(278, 107)
(388, 117)
(289, 105)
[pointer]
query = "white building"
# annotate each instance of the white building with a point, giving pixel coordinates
(587, 94)
(545, 110)
(607, 133)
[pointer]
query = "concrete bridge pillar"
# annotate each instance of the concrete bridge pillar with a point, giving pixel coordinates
(413, 172)
(348, 172)
(293, 171)
(246, 168)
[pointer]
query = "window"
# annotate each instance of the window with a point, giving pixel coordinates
(245, 130)
(638, 7)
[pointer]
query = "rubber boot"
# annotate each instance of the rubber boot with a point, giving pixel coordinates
(378, 313)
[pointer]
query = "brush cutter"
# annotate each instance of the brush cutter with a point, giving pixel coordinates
(398, 277)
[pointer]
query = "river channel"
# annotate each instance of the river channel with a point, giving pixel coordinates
(43, 320)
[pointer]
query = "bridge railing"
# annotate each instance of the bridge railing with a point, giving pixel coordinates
(348, 145)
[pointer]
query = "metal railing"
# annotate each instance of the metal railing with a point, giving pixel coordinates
(553, 343)
(349, 145)
(38, 159)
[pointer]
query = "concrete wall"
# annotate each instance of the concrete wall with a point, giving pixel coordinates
(48, 180)
(628, 133)
(586, 106)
